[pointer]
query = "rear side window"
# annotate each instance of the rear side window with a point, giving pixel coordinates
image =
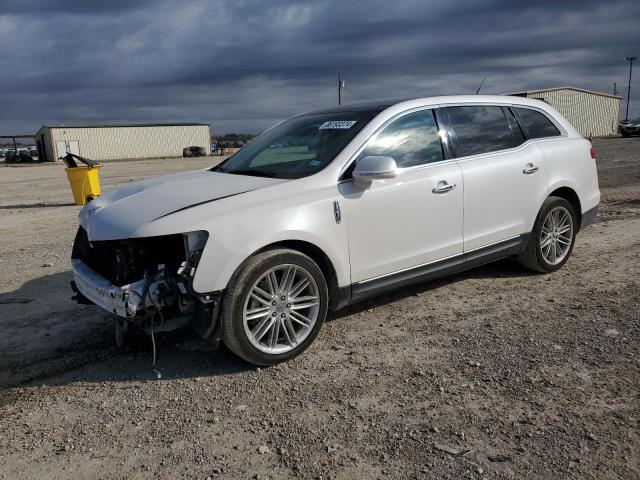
(536, 124)
(479, 129)
(410, 140)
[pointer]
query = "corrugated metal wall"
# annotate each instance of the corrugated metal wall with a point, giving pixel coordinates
(111, 143)
(589, 113)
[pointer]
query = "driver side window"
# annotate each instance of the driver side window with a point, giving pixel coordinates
(410, 140)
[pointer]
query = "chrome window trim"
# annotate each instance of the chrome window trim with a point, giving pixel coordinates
(434, 107)
(560, 128)
(505, 151)
(563, 132)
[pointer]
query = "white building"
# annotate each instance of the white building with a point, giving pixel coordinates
(110, 142)
(592, 113)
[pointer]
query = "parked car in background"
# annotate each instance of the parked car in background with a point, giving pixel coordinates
(15, 157)
(11, 157)
(25, 156)
(194, 152)
(332, 207)
(629, 128)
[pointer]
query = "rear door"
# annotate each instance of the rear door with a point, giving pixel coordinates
(504, 176)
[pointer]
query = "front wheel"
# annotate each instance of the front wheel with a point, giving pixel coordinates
(553, 236)
(274, 307)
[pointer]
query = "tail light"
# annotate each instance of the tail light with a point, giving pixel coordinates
(592, 150)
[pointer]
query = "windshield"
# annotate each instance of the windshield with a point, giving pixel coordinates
(299, 146)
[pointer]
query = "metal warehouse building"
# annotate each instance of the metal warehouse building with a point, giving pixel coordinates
(111, 142)
(592, 113)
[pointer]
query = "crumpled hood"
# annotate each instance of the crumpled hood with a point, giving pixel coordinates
(119, 213)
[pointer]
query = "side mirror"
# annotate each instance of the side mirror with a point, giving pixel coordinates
(373, 168)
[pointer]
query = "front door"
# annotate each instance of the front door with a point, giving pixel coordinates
(410, 220)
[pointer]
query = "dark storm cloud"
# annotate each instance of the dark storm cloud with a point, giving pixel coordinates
(244, 64)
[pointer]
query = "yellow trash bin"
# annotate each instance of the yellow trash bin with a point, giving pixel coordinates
(85, 183)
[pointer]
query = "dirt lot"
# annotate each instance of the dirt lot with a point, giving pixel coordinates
(541, 372)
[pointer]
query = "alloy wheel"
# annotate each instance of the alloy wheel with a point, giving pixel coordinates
(556, 235)
(281, 308)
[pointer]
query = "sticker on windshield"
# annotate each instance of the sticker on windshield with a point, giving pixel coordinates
(338, 124)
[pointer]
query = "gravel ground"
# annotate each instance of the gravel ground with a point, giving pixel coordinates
(493, 373)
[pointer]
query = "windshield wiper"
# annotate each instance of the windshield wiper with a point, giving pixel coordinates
(254, 173)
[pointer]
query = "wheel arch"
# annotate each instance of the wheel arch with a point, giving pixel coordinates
(571, 196)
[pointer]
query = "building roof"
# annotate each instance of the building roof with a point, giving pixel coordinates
(130, 125)
(567, 87)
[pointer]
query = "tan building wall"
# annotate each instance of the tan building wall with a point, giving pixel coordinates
(124, 142)
(591, 113)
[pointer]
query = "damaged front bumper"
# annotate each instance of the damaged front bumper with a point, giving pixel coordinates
(147, 281)
(124, 301)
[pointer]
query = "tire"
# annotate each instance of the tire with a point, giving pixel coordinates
(186, 152)
(274, 317)
(625, 134)
(538, 255)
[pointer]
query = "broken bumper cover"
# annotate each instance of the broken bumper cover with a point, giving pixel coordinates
(123, 301)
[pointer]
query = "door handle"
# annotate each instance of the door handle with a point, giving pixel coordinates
(530, 168)
(443, 187)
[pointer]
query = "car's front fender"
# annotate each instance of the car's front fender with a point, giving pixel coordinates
(233, 239)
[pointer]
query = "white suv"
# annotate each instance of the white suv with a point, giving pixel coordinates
(330, 207)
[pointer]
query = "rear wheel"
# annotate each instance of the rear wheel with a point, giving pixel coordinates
(553, 236)
(274, 307)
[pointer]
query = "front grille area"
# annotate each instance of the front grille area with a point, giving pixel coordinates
(126, 261)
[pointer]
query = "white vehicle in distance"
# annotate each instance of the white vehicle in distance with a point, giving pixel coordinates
(330, 207)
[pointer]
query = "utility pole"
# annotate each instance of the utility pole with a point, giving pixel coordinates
(341, 85)
(615, 89)
(630, 60)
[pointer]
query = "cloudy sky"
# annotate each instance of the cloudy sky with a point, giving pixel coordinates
(241, 65)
